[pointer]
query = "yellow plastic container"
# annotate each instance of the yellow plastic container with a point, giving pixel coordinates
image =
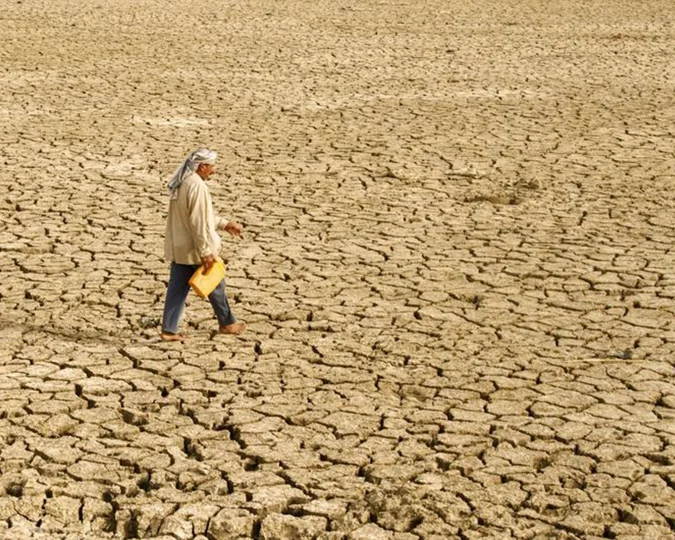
(203, 283)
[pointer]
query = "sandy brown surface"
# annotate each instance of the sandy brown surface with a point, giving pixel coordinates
(457, 270)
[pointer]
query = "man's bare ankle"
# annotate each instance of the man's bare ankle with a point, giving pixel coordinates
(234, 328)
(171, 336)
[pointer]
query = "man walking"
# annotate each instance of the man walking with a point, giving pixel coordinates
(192, 240)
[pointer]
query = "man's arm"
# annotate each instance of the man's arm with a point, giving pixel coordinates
(232, 227)
(198, 207)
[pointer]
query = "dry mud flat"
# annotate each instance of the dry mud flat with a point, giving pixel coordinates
(457, 270)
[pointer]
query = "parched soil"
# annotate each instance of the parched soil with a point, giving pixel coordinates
(457, 270)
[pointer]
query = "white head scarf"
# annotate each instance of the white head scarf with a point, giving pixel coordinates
(203, 155)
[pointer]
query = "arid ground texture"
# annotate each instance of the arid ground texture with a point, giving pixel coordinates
(457, 269)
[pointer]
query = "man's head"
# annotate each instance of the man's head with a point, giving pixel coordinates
(206, 169)
(200, 161)
(205, 160)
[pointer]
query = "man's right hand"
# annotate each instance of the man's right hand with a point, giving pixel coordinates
(208, 262)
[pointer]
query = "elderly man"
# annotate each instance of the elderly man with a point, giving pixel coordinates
(192, 240)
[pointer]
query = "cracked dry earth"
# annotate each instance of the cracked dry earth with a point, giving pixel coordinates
(457, 270)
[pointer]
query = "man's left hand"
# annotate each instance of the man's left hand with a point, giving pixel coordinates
(233, 228)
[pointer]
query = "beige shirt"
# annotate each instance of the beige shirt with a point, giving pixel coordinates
(191, 224)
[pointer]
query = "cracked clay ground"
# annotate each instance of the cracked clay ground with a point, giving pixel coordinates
(457, 269)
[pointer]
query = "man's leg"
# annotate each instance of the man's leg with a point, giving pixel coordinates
(226, 320)
(176, 294)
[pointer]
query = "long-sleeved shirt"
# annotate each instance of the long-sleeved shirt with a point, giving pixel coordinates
(191, 224)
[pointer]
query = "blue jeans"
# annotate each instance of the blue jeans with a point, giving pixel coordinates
(176, 294)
